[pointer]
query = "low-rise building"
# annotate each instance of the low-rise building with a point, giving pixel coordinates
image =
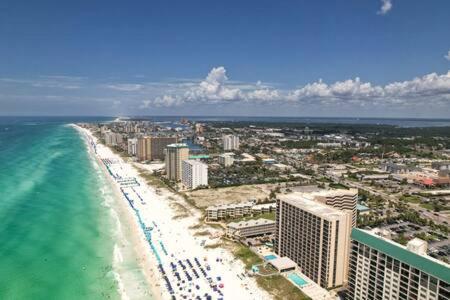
(229, 211)
(226, 159)
(264, 208)
(251, 228)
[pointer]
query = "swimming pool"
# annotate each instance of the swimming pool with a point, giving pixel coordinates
(297, 279)
(270, 257)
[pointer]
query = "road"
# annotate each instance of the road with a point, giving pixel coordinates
(438, 218)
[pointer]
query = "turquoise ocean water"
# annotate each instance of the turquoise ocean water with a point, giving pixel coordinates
(56, 236)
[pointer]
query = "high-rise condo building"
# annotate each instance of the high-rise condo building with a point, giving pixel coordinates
(175, 154)
(194, 174)
(112, 138)
(314, 235)
(153, 148)
(381, 269)
(230, 142)
(143, 148)
(339, 198)
(132, 146)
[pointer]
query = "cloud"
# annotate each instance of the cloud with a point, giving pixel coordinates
(58, 82)
(217, 88)
(125, 87)
(447, 57)
(145, 104)
(431, 91)
(386, 6)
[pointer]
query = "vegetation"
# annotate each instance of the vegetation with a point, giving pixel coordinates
(338, 186)
(280, 288)
(401, 239)
(276, 285)
(434, 205)
(248, 173)
(153, 180)
(410, 198)
(247, 256)
(306, 144)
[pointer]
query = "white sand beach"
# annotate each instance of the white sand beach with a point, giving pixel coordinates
(175, 260)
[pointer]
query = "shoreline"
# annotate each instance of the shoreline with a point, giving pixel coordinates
(170, 240)
(142, 255)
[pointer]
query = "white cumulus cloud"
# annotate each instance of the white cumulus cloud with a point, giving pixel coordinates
(447, 57)
(386, 6)
(217, 88)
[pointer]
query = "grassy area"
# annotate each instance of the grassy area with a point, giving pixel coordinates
(152, 180)
(280, 288)
(202, 233)
(410, 198)
(428, 206)
(338, 186)
(247, 256)
(213, 246)
(196, 226)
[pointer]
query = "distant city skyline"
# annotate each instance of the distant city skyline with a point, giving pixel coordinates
(377, 58)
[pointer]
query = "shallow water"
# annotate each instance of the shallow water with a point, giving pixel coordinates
(59, 238)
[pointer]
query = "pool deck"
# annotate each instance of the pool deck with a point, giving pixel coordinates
(309, 287)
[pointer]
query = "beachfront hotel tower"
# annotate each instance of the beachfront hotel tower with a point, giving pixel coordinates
(175, 155)
(314, 235)
(153, 147)
(194, 174)
(230, 142)
(341, 199)
(132, 146)
(381, 269)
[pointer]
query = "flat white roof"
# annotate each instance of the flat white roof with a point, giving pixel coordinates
(227, 154)
(265, 205)
(250, 223)
(282, 263)
(225, 206)
(178, 145)
(299, 200)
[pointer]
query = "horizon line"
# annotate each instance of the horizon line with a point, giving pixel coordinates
(231, 116)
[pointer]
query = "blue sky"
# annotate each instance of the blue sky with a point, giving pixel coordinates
(365, 58)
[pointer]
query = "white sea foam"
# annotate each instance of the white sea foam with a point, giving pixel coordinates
(120, 286)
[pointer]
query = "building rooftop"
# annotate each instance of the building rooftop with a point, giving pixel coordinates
(235, 205)
(178, 145)
(282, 263)
(227, 154)
(199, 156)
(250, 223)
(335, 192)
(265, 205)
(194, 162)
(362, 208)
(299, 200)
(424, 263)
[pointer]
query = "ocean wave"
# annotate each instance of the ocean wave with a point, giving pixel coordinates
(120, 285)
